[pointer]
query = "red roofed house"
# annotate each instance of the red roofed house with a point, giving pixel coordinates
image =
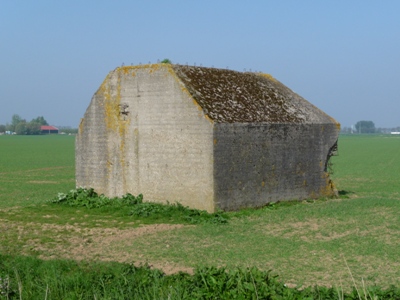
(48, 129)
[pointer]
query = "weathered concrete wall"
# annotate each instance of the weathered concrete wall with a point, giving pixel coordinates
(144, 133)
(249, 142)
(90, 161)
(257, 164)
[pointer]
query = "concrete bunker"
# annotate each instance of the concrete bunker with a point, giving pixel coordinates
(207, 138)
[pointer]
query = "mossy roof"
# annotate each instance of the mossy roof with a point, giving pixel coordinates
(228, 96)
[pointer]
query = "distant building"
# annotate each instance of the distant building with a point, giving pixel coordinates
(48, 129)
(395, 132)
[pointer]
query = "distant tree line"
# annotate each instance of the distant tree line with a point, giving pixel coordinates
(367, 127)
(21, 126)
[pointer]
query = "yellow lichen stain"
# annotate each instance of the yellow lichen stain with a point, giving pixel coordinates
(112, 101)
(268, 76)
(329, 188)
(111, 108)
(117, 124)
(263, 183)
(132, 69)
(305, 182)
(81, 126)
(197, 105)
(125, 70)
(337, 124)
(123, 127)
(185, 90)
(215, 141)
(155, 67)
(209, 119)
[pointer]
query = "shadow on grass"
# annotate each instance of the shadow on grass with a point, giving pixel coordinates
(345, 194)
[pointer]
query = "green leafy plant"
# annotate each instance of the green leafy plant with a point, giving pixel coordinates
(301, 241)
(31, 278)
(88, 198)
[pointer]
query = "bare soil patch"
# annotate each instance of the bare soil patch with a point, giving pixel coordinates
(52, 241)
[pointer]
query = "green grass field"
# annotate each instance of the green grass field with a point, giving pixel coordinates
(328, 242)
(35, 168)
(369, 166)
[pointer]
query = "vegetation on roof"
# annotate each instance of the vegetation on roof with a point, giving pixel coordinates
(228, 96)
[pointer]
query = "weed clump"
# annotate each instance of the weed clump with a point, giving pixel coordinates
(31, 278)
(135, 207)
(88, 198)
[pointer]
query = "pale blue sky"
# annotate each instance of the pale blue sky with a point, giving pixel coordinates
(343, 56)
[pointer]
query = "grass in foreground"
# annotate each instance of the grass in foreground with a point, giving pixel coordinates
(310, 243)
(30, 278)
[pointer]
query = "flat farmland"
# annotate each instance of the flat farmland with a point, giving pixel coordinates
(328, 242)
(35, 168)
